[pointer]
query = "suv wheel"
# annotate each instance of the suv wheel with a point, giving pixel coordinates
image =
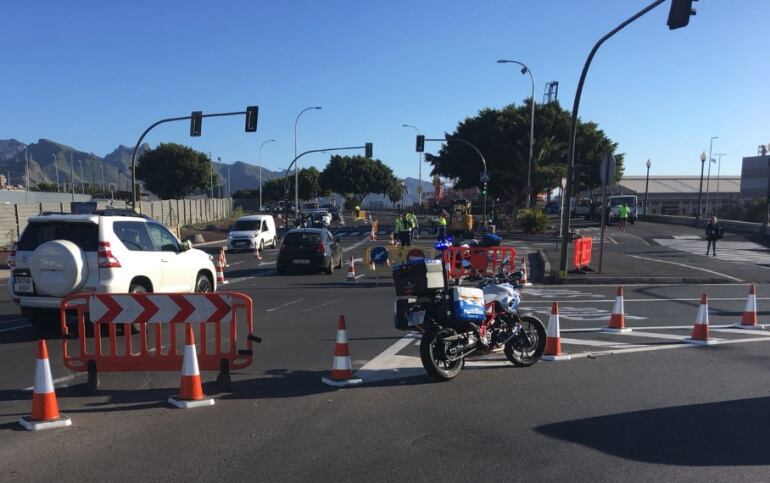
(203, 284)
(275, 242)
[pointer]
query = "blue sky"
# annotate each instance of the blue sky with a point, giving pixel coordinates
(95, 74)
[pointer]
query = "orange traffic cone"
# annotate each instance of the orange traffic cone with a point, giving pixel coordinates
(618, 318)
(351, 276)
(524, 273)
(190, 389)
(257, 255)
(223, 257)
(45, 409)
(749, 319)
(700, 330)
(219, 270)
(342, 372)
(553, 339)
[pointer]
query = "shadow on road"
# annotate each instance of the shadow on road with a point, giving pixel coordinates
(280, 383)
(729, 433)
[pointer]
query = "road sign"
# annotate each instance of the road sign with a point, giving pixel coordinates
(485, 177)
(379, 255)
(160, 308)
(607, 170)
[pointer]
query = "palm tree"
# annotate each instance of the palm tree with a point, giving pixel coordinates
(396, 190)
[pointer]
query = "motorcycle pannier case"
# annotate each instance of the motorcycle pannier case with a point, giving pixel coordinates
(418, 277)
(467, 304)
(404, 315)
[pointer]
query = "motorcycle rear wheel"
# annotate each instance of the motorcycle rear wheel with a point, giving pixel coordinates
(524, 351)
(432, 354)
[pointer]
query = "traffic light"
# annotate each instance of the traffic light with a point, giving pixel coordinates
(484, 189)
(679, 15)
(368, 150)
(196, 123)
(252, 114)
(420, 143)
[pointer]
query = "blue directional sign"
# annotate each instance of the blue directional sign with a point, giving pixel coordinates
(485, 177)
(379, 255)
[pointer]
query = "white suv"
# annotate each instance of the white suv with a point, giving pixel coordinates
(107, 252)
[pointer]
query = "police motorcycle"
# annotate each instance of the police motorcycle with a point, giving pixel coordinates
(461, 321)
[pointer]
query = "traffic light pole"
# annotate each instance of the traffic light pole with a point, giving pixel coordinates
(294, 162)
(157, 123)
(572, 133)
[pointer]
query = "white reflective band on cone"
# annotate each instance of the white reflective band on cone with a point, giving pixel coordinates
(751, 304)
(703, 315)
(553, 326)
(190, 363)
(341, 363)
(43, 381)
(618, 307)
(342, 337)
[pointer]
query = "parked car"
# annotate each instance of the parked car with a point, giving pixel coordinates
(309, 249)
(105, 252)
(308, 208)
(252, 232)
(323, 216)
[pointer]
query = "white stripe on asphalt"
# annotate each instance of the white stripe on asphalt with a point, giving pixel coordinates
(688, 266)
(757, 332)
(310, 309)
(597, 343)
(653, 335)
(16, 327)
(696, 299)
(286, 304)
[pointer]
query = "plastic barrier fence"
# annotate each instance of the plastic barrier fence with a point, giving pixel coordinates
(483, 260)
(581, 255)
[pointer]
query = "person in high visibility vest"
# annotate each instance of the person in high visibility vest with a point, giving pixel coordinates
(402, 229)
(441, 226)
(623, 212)
(413, 224)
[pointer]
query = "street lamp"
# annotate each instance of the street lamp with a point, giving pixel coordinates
(527, 70)
(259, 161)
(296, 166)
(719, 170)
(647, 185)
(708, 175)
(419, 160)
(700, 190)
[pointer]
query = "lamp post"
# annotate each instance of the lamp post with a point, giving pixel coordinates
(719, 170)
(700, 190)
(56, 167)
(296, 166)
(82, 178)
(708, 175)
(527, 70)
(647, 185)
(419, 175)
(219, 172)
(259, 161)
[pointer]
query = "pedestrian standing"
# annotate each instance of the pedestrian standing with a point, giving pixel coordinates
(623, 212)
(414, 228)
(402, 229)
(713, 233)
(441, 226)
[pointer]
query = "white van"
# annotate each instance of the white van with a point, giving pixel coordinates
(617, 201)
(250, 232)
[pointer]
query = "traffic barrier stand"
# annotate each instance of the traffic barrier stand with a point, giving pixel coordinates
(342, 370)
(581, 254)
(190, 388)
(351, 276)
(485, 261)
(524, 274)
(618, 317)
(700, 330)
(45, 410)
(553, 338)
(223, 321)
(749, 319)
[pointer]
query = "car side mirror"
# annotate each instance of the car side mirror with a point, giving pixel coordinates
(185, 245)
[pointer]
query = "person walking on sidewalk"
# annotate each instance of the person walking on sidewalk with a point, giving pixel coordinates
(623, 212)
(713, 233)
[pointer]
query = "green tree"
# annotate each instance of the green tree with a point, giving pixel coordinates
(356, 176)
(309, 183)
(174, 171)
(502, 136)
(396, 191)
(44, 186)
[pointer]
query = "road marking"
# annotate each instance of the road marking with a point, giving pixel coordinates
(286, 304)
(234, 263)
(239, 279)
(688, 266)
(694, 299)
(310, 309)
(262, 264)
(758, 332)
(654, 335)
(597, 343)
(17, 327)
(612, 240)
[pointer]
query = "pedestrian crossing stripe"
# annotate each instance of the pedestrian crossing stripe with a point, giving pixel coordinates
(732, 251)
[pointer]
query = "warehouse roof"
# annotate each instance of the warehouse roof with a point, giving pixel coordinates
(679, 184)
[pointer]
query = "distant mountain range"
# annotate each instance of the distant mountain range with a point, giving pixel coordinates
(46, 156)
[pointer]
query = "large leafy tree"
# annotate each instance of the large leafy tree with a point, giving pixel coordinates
(174, 171)
(356, 176)
(309, 183)
(502, 136)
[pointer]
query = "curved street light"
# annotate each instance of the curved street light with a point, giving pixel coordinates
(296, 167)
(700, 190)
(419, 158)
(259, 161)
(527, 70)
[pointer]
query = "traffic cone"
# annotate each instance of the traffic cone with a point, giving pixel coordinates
(700, 330)
(749, 319)
(257, 255)
(351, 276)
(223, 257)
(190, 389)
(342, 372)
(218, 269)
(618, 318)
(524, 273)
(553, 339)
(45, 409)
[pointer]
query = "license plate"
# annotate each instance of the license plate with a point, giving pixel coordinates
(415, 318)
(301, 261)
(23, 285)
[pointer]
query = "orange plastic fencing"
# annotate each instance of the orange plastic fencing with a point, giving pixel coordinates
(585, 260)
(483, 260)
(581, 255)
(159, 320)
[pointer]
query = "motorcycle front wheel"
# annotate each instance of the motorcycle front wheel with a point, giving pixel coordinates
(433, 350)
(526, 347)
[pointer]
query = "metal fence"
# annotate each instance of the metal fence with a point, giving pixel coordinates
(172, 213)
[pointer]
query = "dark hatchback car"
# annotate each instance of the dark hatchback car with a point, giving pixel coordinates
(309, 249)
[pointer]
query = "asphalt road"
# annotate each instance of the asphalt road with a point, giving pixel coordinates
(637, 406)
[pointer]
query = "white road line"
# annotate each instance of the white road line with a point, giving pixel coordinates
(695, 299)
(612, 240)
(653, 335)
(262, 264)
(310, 309)
(286, 304)
(234, 263)
(597, 343)
(756, 332)
(687, 266)
(18, 327)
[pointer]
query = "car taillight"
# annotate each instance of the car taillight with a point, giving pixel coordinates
(320, 248)
(12, 256)
(105, 257)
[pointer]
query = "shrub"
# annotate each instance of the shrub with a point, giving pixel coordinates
(533, 220)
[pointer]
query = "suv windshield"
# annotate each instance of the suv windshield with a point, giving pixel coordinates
(84, 235)
(301, 237)
(247, 225)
